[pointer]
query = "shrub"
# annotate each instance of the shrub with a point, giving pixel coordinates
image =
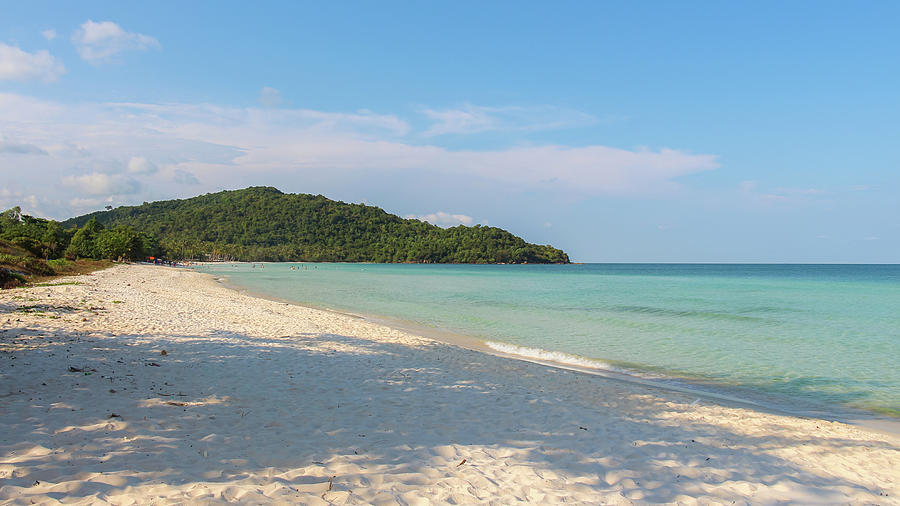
(58, 263)
(38, 266)
(28, 243)
(9, 279)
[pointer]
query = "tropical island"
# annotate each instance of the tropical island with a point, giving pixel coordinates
(254, 224)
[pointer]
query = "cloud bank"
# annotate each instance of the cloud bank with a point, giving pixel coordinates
(105, 149)
(98, 183)
(100, 42)
(20, 149)
(471, 119)
(140, 165)
(19, 65)
(270, 97)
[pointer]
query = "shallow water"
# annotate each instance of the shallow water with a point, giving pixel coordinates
(825, 337)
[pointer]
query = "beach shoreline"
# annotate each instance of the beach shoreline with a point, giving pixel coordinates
(259, 400)
(867, 420)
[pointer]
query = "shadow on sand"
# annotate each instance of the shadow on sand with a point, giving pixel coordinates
(325, 413)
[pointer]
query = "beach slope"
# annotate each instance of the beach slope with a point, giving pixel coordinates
(143, 384)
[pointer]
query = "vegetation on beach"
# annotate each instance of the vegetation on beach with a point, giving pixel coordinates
(264, 224)
(38, 243)
(21, 267)
(35, 249)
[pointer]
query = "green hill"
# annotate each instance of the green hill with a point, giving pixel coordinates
(264, 224)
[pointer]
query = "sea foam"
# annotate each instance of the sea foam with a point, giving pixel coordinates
(550, 356)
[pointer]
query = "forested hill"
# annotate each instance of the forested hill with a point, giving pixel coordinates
(264, 224)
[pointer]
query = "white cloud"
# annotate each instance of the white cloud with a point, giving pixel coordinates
(196, 119)
(20, 149)
(442, 219)
(67, 149)
(270, 97)
(226, 147)
(31, 203)
(49, 34)
(9, 198)
(472, 119)
(140, 165)
(98, 183)
(19, 65)
(184, 177)
(100, 42)
(84, 204)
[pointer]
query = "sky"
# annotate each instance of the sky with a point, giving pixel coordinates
(616, 131)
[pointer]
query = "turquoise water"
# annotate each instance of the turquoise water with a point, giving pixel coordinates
(825, 337)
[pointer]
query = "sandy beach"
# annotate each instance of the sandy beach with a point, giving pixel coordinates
(143, 384)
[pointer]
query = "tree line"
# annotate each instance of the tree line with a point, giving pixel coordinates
(48, 239)
(264, 224)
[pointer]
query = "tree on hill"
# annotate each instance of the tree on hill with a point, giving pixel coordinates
(262, 223)
(84, 241)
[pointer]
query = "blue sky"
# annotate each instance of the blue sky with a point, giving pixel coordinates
(659, 131)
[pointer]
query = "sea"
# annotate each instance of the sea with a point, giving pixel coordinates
(820, 340)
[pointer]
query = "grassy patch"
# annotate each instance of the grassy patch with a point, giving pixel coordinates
(58, 263)
(72, 268)
(43, 308)
(7, 258)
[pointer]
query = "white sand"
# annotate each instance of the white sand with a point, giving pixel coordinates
(260, 401)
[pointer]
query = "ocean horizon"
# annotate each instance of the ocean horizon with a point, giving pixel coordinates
(807, 338)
